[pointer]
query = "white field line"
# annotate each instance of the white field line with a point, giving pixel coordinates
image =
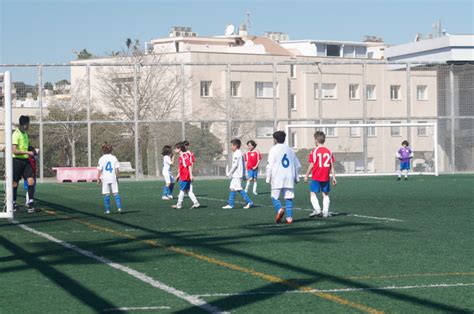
(143, 308)
(441, 285)
(140, 276)
(298, 208)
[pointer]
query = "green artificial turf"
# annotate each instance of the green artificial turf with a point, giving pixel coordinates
(415, 235)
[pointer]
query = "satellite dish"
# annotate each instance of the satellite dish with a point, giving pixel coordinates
(229, 30)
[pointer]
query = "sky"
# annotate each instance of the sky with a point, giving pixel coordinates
(49, 31)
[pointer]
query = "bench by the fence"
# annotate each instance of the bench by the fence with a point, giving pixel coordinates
(125, 166)
(76, 174)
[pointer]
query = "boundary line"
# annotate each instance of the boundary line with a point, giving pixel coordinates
(140, 276)
(142, 308)
(441, 285)
(241, 269)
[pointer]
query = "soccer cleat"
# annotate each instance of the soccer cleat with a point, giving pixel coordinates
(406, 179)
(227, 207)
(176, 206)
(279, 215)
(119, 210)
(31, 207)
(289, 220)
(315, 214)
(195, 205)
(165, 198)
(255, 193)
(16, 208)
(107, 212)
(248, 206)
(398, 179)
(170, 197)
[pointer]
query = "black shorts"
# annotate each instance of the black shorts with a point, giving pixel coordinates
(21, 168)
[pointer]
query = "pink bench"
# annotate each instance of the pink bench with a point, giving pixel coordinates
(76, 174)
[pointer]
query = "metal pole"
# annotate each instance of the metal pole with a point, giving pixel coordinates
(41, 138)
(435, 157)
(89, 128)
(365, 143)
(408, 72)
(451, 96)
(229, 115)
(8, 146)
(135, 119)
(275, 122)
(320, 92)
(183, 117)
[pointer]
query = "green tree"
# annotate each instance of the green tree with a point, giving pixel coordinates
(84, 55)
(48, 85)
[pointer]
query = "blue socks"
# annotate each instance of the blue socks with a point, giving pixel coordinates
(107, 202)
(276, 204)
(246, 197)
(166, 191)
(231, 200)
(170, 188)
(289, 208)
(118, 201)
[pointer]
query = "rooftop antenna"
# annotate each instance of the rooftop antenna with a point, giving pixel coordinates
(248, 21)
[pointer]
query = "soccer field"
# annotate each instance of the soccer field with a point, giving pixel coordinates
(390, 247)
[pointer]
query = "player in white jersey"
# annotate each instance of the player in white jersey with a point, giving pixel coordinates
(282, 174)
(167, 153)
(237, 174)
(108, 172)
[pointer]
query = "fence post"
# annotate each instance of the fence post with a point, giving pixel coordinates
(89, 126)
(365, 134)
(408, 78)
(41, 139)
(451, 97)
(229, 115)
(275, 122)
(183, 122)
(320, 94)
(135, 119)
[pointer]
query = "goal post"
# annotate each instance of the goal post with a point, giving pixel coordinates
(370, 149)
(7, 209)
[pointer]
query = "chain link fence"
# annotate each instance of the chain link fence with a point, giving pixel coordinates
(141, 106)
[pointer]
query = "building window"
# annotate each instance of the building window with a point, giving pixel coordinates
(329, 91)
(395, 92)
(422, 92)
(124, 85)
(349, 51)
(316, 91)
(371, 92)
(264, 89)
(395, 130)
(293, 101)
(329, 131)
(371, 130)
(353, 91)
(333, 51)
(264, 130)
(422, 130)
(354, 132)
(235, 88)
(292, 71)
(294, 139)
(206, 88)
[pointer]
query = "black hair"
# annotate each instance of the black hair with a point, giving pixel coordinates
(320, 137)
(279, 136)
(181, 146)
(236, 142)
(185, 143)
(24, 120)
(167, 150)
(252, 142)
(405, 142)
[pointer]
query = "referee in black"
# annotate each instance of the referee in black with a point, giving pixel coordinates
(21, 164)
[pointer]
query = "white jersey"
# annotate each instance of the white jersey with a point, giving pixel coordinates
(282, 167)
(108, 163)
(166, 165)
(238, 165)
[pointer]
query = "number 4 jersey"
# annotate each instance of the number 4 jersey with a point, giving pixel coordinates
(322, 158)
(108, 163)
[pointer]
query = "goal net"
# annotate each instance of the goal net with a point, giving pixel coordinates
(370, 148)
(6, 151)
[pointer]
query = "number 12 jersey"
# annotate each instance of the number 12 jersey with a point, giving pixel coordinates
(322, 159)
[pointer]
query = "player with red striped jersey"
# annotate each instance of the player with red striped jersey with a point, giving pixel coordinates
(321, 165)
(185, 176)
(252, 159)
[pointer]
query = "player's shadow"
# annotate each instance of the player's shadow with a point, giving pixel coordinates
(175, 239)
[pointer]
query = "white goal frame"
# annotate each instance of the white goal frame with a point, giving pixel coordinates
(7, 209)
(361, 125)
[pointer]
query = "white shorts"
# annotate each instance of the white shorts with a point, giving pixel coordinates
(110, 187)
(168, 178)
(288, 194)
(236, 184)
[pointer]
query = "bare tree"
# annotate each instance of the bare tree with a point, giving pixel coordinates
(158, 89)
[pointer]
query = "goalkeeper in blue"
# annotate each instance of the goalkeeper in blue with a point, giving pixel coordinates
(237, 174)
(282, 173)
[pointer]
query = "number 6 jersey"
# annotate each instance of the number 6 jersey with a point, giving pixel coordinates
(282, 167)
(108, 163)
(322, 158)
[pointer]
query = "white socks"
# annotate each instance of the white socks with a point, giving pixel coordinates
(192, 196)
(325, 205)
(247, 186)
(180, 198)
(255, 187)
(315, 203)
